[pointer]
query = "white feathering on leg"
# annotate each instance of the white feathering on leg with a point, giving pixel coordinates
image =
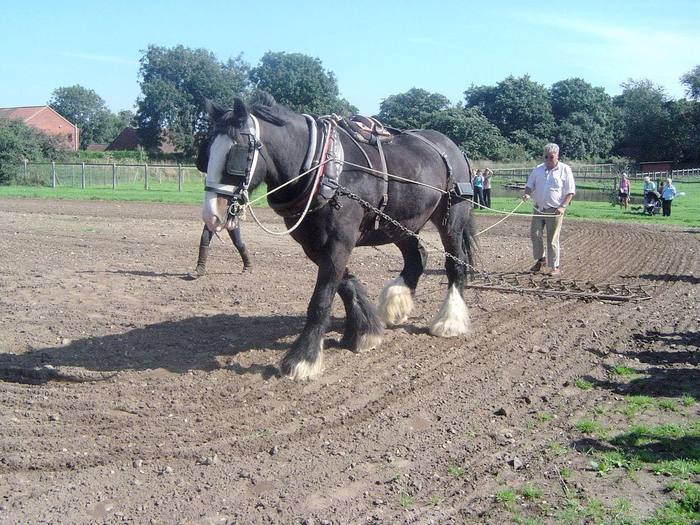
(368, 342)
(452, 319)
(306, 370)
(395, 302)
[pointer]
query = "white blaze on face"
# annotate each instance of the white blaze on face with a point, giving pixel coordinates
(214, 207)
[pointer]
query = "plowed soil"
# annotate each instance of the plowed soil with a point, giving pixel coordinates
(130, 394)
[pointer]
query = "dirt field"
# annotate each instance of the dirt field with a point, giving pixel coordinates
(129, 394)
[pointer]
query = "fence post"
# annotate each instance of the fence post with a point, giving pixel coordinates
(114, 176)
(25, 171)
(179, 177)
(145, 176)
(82, 176)
(53, 174)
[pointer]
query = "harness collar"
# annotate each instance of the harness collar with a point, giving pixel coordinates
(324, 157)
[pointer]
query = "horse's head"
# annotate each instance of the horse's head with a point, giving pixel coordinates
(229, 158)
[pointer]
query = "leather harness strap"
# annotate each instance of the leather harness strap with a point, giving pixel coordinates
(382, 159)
(385, 178)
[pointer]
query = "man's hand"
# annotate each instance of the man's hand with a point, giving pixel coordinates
(526, 197)
(561, 210)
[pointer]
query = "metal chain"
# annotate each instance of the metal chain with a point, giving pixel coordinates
(344, 191)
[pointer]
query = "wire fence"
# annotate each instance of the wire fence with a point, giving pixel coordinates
(595, 182)
(110, 176)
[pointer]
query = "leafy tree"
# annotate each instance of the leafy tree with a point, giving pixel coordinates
(682, 135)
(646, 120)
(175, 82)
(299, 82)
(412, 109)
(86, 109)
(692, 83)
(586, 119)
(19, 142)
(519, 107)
(472, 131)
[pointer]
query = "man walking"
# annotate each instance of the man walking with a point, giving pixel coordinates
(551, 187)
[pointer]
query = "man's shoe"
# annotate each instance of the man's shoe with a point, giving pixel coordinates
(537, 266)
(555, 272)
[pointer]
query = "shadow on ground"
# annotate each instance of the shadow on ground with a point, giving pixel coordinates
(673, 371)
(177, 346)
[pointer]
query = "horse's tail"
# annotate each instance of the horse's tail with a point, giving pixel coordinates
(469, 245)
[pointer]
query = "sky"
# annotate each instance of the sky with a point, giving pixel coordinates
(375, 48)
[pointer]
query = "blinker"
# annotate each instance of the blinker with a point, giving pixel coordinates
(237, 161)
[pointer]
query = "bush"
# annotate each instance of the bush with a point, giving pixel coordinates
(19, 142)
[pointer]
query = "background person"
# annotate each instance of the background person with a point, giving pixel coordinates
(205, 242)
(487, 187)
(551, 185)
(624, 191)
(649, 188)
(669, 192)
(478, 189)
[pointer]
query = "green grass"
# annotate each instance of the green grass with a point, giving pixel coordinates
(637, 404)
(530, 492)
(588, 426)
(405, 500)
(167, 193)
(687, 400)
(683, 510)
(506, 497)
(595, 512)
(583, 384)
(668, 404)
(668, 449)
(621, 370)
(455, 471)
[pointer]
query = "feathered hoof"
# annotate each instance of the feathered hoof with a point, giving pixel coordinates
(395, 302)
(453, 318)
(450, 328)
(299, 370)
(368, 342)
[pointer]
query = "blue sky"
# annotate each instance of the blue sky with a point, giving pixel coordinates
(375, 48)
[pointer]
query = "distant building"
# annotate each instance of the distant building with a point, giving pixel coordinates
(48, 121)
(129, 140)
(656, 166)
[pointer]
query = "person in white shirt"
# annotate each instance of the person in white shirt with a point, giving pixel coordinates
(667, 196)
(551, 186)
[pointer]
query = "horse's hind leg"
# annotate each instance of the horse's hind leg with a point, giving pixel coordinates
(396, 299)
(363, 327)
(452, 319)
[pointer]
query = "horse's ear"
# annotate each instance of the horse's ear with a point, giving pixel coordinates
(214, 110)
(240, 112)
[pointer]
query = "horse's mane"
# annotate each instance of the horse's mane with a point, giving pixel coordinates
(265, 107)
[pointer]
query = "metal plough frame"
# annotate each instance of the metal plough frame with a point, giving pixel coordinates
(542, 285)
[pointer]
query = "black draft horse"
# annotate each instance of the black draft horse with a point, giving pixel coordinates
(333, 227)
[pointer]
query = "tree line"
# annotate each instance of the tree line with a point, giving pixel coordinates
(509, 121)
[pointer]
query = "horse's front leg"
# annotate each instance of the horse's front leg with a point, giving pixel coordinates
(304, 360)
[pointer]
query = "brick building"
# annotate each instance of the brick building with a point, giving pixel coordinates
(46, 120)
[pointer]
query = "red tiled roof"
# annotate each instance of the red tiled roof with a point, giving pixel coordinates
(26, 113)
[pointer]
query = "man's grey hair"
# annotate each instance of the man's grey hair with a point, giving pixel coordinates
(551, 148)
